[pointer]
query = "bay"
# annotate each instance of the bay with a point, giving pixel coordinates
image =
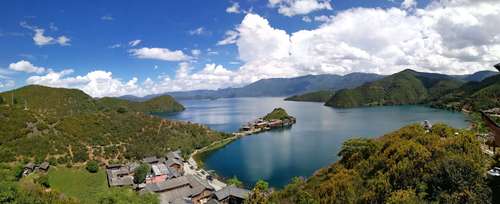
(313, 142)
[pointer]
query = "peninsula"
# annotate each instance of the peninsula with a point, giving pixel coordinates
(278, 118)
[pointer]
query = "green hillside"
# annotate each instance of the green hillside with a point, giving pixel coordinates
(317, 96)
(472, 96)
(158, 104)
(409, 165)
(71, 127)
(277, 114)
(406, 87)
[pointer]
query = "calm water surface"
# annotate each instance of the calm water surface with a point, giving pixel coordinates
(313, 142)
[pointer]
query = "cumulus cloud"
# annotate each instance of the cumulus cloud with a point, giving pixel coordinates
(452, 37)
(26, 66)
(41, 39)
(234, 8)
(299, 7)
(195, 52)
(134, 43)
(159, 54)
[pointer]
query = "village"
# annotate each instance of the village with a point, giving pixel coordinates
(176, 180)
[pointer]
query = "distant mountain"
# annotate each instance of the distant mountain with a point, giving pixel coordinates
(281, 86)
(471, 96)
(406, 87)
(315, 96)
(478, 76)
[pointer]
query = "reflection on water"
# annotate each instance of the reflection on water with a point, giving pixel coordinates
(313, 142)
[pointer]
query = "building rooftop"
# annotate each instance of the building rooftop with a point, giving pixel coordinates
(150, 160)
(231, 191)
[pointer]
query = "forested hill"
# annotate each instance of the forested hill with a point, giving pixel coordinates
(61, 101)
(472, 96)
(67, 126)
(410, 165)
(406, 87)
(316, 96)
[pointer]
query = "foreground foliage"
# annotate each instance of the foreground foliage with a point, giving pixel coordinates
(410, 165)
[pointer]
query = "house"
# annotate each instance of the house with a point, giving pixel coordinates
(44, 166)
(179, 189)
(175, 163)
(28, 168)
(230, 195)
(151, 160)
(119, 176)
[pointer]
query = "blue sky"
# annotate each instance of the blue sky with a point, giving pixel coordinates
(97, 35)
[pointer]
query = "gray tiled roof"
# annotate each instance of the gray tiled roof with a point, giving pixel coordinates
(44, 165)
(231, 191)
(168, 184)
(150, 160)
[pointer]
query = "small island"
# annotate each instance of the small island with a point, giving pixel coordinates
(278, 118)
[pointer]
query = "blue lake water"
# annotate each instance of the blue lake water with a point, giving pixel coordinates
(313, 142)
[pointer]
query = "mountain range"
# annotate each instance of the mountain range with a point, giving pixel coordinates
(284, 87)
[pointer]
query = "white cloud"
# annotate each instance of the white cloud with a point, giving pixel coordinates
(117, 45)
(41, 39)
(307, 19)
(234, 8)
(107, 18)
(229, 38)
(198, 31)
(7, 83)
(159, 54)
(409, 4)
(134, 43)
(452, 37)
(195, 52)
(299, 7)
(26, 66)
(323, 18)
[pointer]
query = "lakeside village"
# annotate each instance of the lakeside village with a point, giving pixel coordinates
(180, 181)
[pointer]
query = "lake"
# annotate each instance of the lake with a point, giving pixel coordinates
(313, 142)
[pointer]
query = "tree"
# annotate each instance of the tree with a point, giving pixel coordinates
(234, 181)
(1, 100)
(141, 172)
(259, 193)
(92, 166)
(121, 110)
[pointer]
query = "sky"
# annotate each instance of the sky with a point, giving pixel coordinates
(114, 48)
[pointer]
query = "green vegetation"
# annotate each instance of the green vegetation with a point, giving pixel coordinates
(471, 96)
(317, 96)
(92, 187)
(409, 165)
(141, 172)
(277, 114)
(69, 127)
(92, 166)
(406, 87)
(158, 104)
(234, 181)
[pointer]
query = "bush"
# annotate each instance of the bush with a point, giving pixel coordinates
(43, 180)
(92, 166)
(121, 110)
(234, 181)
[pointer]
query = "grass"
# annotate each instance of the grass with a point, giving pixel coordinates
(78, 183)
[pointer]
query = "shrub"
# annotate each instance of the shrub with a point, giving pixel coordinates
(43, 180)
(141, 172)
(92, 166)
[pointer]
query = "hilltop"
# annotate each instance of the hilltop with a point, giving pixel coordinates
(277, 114)
(406, 87)
(67, 126)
